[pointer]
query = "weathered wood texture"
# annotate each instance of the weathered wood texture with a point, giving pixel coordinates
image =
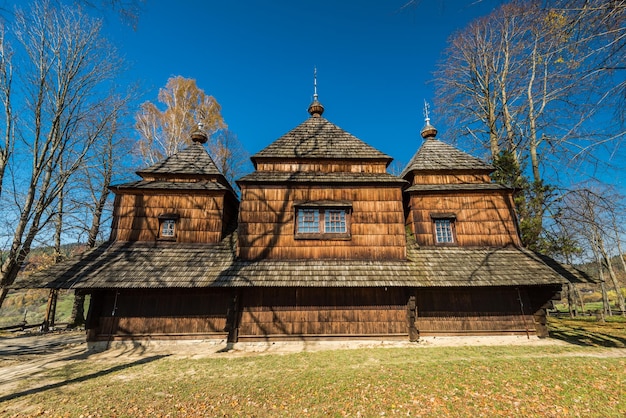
(136, 216)
(323, 313)
(317, 313)
(481, 311)
(179, 313)
(451, 177)
(267, 225)
(327, 166)
(181, 178)
(484, 218)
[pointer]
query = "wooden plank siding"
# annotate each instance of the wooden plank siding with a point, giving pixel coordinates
(158, 313)
(499, 310)
(450, 177)
(317, 313)
(266, 223)
(327, 166)
(485, 218)
(136, 216)
(301, 313)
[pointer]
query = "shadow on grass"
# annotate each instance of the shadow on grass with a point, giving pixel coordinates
(80, 379)
(588, 334)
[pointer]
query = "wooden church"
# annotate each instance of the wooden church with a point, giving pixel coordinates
(323, 244)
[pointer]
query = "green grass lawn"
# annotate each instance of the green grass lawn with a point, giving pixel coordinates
(586, 378)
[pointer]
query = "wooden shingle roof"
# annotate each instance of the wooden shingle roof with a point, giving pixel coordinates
(179, 265)
(435, 155)
(508, 266)
(316, 137)
(191, 168)
(193, 160)
(171, 185)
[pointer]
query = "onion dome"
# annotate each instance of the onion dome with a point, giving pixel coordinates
(315, 108)
(428, 131)
(198, 136)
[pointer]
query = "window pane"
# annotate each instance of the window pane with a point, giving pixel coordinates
(308, 221)
(443, 230)
(167, 228)
(335, 221)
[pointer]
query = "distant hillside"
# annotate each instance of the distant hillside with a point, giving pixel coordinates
(30, 304)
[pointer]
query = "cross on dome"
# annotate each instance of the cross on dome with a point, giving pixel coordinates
(315, 108)
(428, 131)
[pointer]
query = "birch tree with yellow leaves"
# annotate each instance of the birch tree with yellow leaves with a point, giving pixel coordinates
(165, 132)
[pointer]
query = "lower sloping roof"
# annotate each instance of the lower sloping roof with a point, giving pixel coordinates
(176, 265)
(508, 266)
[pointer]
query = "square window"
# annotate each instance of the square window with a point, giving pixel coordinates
(335, 221)
(323, 221)
(308, 221)
(168, 228)
(443, 231)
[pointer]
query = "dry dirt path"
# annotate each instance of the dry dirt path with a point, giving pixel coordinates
(29, 355)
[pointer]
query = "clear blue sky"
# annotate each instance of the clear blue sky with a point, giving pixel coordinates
(374, 61)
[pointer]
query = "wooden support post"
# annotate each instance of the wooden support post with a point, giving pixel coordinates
(411, 316)
(51, 308)
(232, 319)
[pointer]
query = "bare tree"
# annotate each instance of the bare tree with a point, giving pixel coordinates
(165, 132)
(64, 70)
(229, 155)
(6, 84)
(527, 81)
(104, 161)
(128, 10)
(590, 213)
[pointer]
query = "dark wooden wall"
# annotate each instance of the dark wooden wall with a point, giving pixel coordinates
(323, 313)
(158, 313)
(266, 223)
(487, 310)
(483, 218)
(255, 314)
(136, 216)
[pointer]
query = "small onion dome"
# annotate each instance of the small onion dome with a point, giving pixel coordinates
(198, 136)
(429, 131)
(316, 109)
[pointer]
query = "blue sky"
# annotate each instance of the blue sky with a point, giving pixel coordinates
(374, 61)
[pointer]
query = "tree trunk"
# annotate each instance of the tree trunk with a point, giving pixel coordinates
(581, 302)
(58, 227)
(621, 259)
(609, 267)
(77, 318)
(4, 290)
(571, 303)
(606, 306)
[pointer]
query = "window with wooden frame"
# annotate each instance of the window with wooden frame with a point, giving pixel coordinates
(322, 220)
(167, 226)
(443, 228)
